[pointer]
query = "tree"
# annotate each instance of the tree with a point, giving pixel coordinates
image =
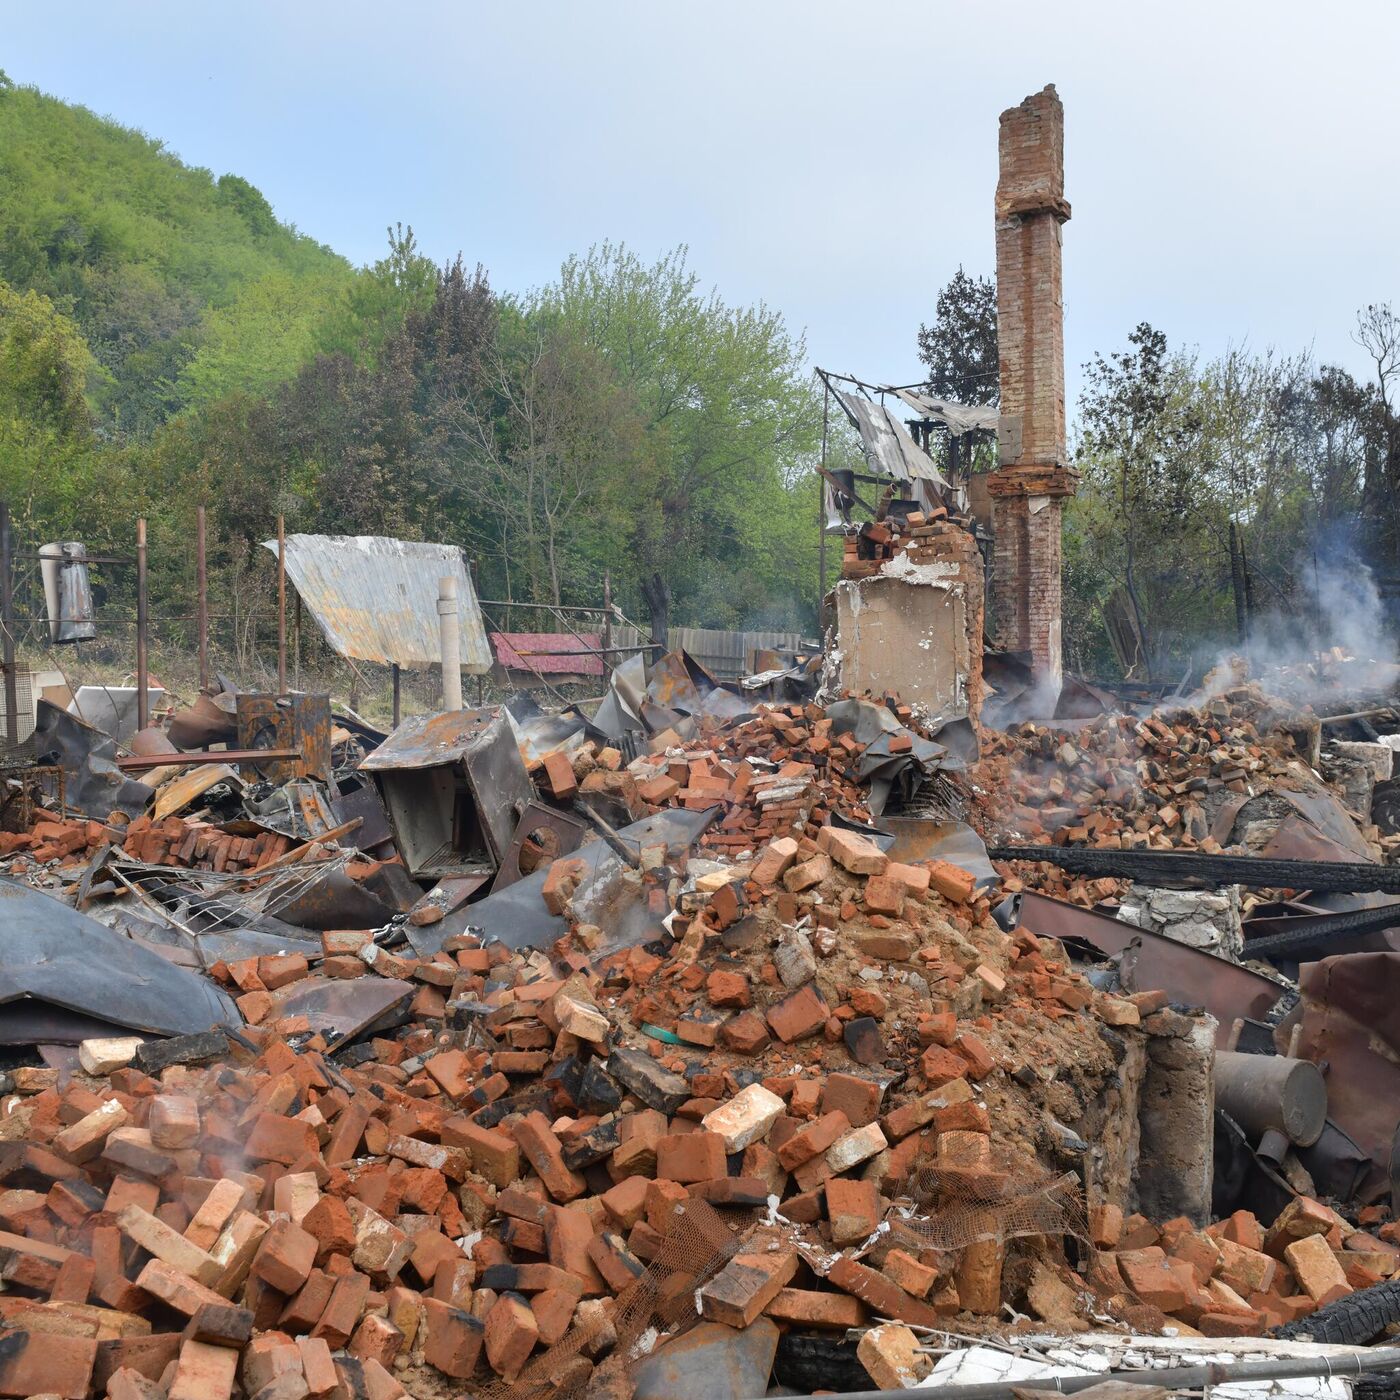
(1135, 430)
(380, 299)
(960, 348)
(729, 415)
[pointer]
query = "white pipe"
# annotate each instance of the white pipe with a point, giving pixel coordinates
(451, 644)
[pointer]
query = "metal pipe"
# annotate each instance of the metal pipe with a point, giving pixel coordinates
(607, 621)
(142, 707)
(281, 606)
(201, 571)
(394, 676)
(1356, 1363)
(1261, 1092)
(451, 644)
(7, 626)
(821, 506)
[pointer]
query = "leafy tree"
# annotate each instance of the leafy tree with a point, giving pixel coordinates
(377, 303)
(45, 365)
(260, 339)
(960, 348)
(730, 418)
(1134, 428)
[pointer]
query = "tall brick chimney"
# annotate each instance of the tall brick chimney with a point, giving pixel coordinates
(1032, 480)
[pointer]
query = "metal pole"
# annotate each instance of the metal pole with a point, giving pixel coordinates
(821, 507)
(451, 643)
(142, 716)
(394, 675)
(7, 625)
(607, 621)
(201, 567)
(281, 607)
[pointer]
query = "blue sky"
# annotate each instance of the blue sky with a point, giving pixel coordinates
(1231, 165)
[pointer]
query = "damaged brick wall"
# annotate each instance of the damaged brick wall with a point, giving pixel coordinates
(1032, 480)
(910, 624)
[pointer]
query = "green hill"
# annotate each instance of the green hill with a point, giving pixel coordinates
(185, 286)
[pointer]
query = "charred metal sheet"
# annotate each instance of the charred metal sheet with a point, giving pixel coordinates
(918, 839)
(288, 722)
(1080, 700)
(517, 914)
(565, 835)
(1155, 963)
(376, 598)
(454, 786)
(1350, 1017)
(1296, 838)
(365, 803)
(333, 901)
(341, 1009)
(92, 781)
(299, 809)
(1321, 809)
(1223, 826)
(1192, 868)
(53, 955)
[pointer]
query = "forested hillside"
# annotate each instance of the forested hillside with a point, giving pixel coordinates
(167, 271)
(166, 341)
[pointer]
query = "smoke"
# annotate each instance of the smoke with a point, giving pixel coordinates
(1336, 640)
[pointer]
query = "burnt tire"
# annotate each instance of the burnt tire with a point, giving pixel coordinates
(1353, 1321)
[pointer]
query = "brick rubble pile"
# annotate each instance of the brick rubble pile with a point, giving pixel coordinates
(481, 1197)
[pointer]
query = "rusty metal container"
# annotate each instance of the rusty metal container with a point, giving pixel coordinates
(454, 786)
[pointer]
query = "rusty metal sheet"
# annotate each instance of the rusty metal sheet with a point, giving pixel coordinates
(296, 722)
(1186, 974)
(1321, 830)
(1350, 1014)
(333, 901)
(342, 1009)
(212, 719)
(93, 784)
(61, 966)
(375, 598)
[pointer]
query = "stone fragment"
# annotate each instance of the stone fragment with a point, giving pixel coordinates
(890, 1354)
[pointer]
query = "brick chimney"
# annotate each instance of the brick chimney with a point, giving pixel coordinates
(1032, 479)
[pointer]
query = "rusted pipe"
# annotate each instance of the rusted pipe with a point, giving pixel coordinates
(281, 606)
(7, 627)
(142, 705)
(201, 573)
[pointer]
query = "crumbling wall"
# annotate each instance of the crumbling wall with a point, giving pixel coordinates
(915, 629)
(1177, 1119)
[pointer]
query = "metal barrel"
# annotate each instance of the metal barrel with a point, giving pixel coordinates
(1263, 1092)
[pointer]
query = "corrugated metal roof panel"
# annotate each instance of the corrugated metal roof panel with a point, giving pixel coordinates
(887, 446)
(549, 653)
(376, 598)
